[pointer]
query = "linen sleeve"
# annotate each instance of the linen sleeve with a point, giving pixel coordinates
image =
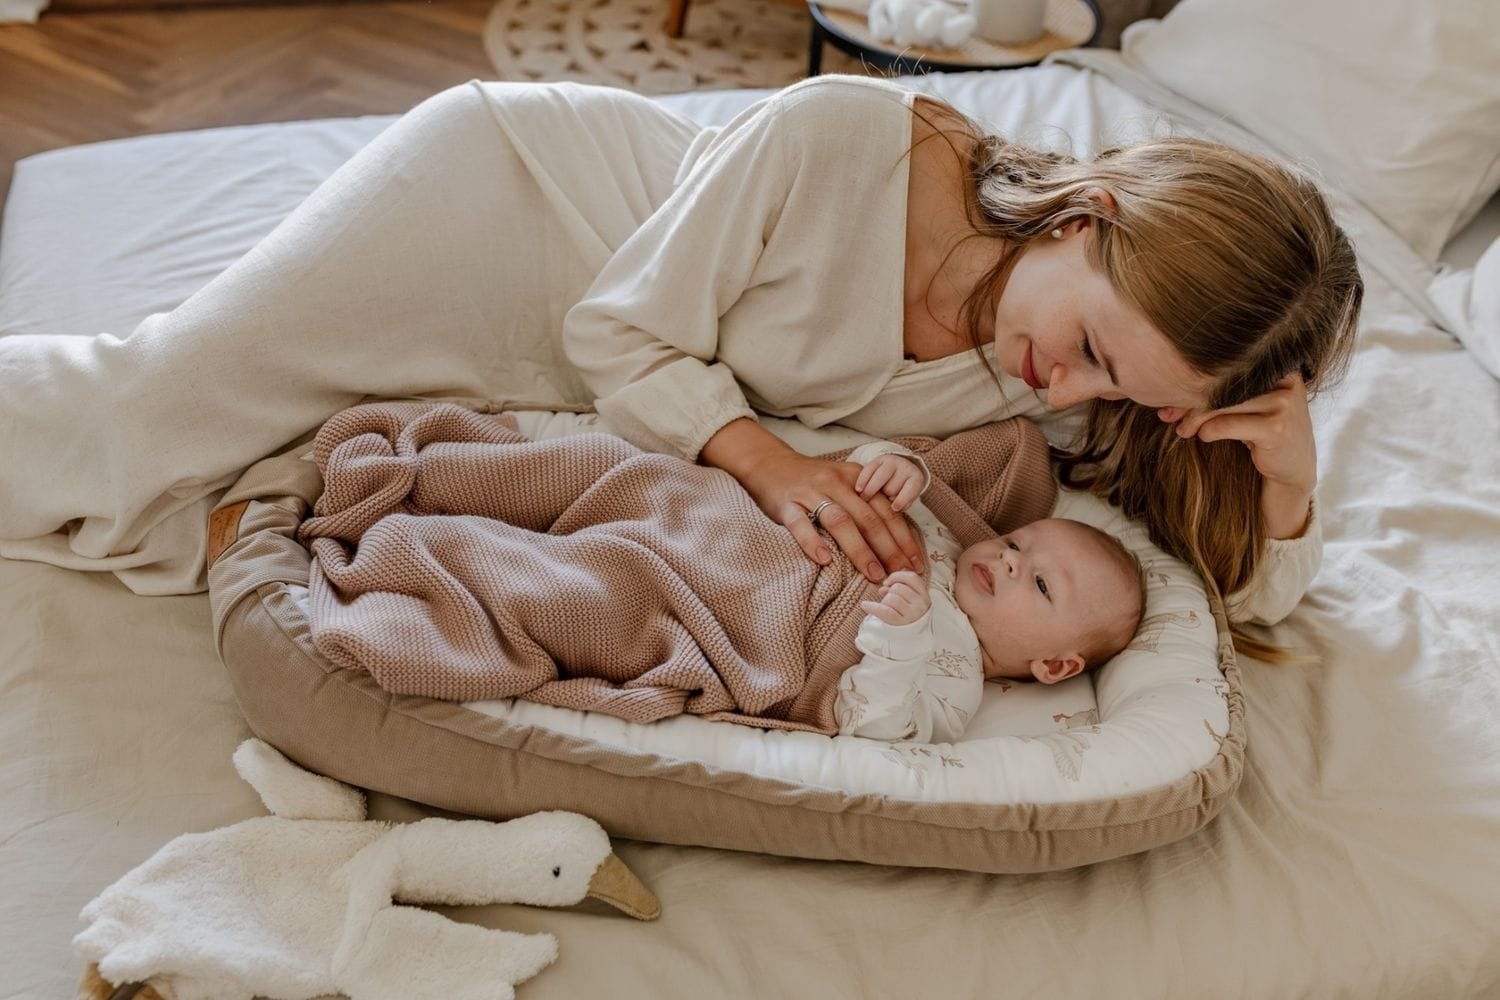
(645, 336)
(1286, 570)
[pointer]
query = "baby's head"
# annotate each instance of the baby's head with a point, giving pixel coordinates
(1050, 600)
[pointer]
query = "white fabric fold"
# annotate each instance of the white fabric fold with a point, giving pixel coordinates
(1469, 300)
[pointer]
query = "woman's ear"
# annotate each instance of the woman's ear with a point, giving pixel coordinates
(1057, 669)
(1098, 196)
(1104, 199)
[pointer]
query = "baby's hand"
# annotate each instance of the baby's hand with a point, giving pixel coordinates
(902, 600)
(897, 476)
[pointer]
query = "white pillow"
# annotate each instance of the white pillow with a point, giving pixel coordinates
(1395, 101)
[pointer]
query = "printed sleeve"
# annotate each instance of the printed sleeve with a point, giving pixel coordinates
(645, 336)
(878, 696)
(906, 687)
(1286, 570)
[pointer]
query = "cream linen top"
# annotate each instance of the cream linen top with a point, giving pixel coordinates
(771, 281)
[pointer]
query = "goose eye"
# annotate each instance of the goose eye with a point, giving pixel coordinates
(556, 872)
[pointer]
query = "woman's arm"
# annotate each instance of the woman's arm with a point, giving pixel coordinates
(1285, 571)
(1277, 429)
(645, 337)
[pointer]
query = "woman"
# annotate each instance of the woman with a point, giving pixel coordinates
(563, 245)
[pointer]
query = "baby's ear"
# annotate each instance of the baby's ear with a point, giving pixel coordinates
(1057, 669)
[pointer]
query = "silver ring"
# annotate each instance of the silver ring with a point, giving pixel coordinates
(813, 514)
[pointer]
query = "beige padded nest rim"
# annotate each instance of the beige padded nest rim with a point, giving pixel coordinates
(340, 723)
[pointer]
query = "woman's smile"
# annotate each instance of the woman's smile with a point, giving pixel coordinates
(1028, 370)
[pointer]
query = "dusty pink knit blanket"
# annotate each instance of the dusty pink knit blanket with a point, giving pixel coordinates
(456, 559)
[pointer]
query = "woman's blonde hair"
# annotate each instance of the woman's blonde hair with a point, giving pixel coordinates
(1237, 261)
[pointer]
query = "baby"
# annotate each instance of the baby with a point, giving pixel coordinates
(585, 573)
(1046, 602)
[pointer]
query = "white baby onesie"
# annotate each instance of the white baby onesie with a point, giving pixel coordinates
(922, 681)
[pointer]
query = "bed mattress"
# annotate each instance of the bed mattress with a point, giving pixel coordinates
(1359, 858)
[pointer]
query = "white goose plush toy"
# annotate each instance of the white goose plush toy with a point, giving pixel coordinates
(304, 903)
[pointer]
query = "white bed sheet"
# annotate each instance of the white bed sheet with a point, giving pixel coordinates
(1361, 858)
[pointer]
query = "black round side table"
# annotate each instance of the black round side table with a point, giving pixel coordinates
(1071, 24)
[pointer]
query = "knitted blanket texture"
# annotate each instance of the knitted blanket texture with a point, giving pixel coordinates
(456, 559)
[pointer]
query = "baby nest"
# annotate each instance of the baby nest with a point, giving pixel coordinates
(1142, 752)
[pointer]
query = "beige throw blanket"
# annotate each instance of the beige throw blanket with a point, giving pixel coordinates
(454, 558)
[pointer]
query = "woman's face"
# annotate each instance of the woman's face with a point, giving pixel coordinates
(1061, 326)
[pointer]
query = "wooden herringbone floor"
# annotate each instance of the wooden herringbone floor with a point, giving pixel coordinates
(82, 75)
(104, 69)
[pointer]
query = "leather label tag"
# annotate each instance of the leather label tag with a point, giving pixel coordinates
(224, 528)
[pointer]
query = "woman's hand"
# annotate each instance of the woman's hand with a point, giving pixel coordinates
(790, 486)
(902, 600)
(875, 537)
(1277, 428)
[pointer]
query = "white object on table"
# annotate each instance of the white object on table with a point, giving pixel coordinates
(928, 23)
(1009, 22)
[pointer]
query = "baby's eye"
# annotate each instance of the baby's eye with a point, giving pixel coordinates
(1042, 586)
(1012, 545)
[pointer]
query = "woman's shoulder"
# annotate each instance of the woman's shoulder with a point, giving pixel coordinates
(846, 95)
(844, 100)
(833, 111)
(828, 121)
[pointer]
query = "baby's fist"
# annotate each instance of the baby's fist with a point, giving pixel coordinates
(902, 599)
(898, 477)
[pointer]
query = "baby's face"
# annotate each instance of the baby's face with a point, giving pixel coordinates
(1037, 595)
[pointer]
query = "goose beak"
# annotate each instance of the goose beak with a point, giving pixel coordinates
(617, 885)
